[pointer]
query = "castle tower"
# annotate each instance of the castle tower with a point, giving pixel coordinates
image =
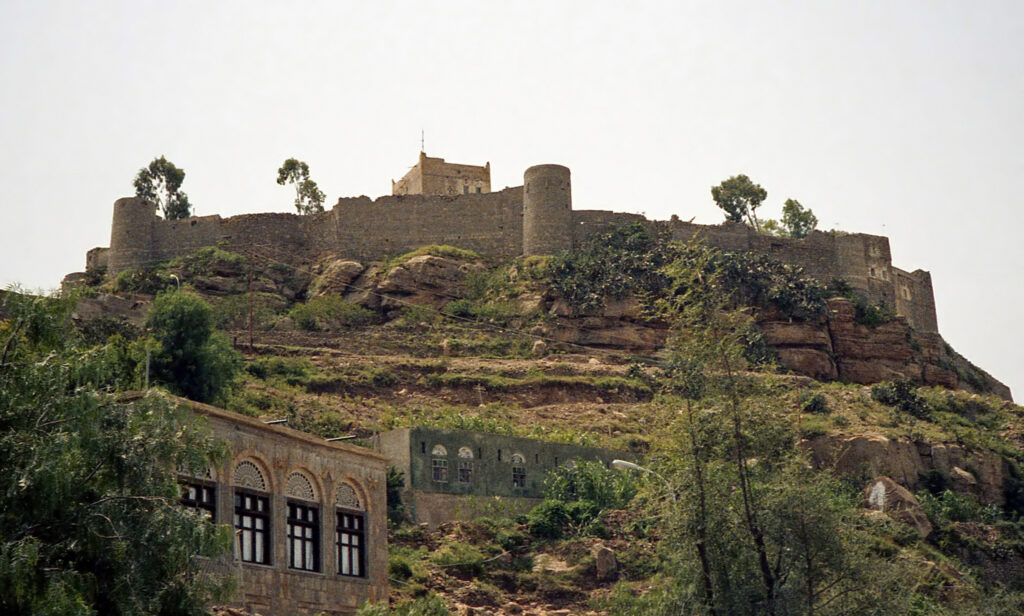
(131, 234)
(547, 210)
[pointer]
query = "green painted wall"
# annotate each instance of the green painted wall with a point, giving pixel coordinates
(491, 463)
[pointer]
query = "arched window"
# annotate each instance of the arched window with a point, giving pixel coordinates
(299, 486)
(347, 496)
(465, 465)
(518, 471)
(350, 531)
(248, 475)
(303, 524)
(439, 464)
(252, 514)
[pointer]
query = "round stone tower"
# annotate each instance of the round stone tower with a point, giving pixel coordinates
(547, 210)
(131, 234)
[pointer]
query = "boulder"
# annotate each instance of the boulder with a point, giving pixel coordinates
(905, 462)
(885, 495)
(426, 279)
(540, 348)
(336, 278)
(604, 562)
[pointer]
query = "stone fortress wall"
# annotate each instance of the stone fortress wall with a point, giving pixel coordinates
(536, 218)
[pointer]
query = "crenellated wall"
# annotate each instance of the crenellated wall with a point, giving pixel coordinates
(499, 225)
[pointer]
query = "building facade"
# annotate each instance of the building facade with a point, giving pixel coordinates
(460, 474)
(310, 516)
(434, 176)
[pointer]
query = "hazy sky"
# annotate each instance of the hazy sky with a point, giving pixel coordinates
(896, 118)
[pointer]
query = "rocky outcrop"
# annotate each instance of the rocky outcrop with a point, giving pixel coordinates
(840, 348)
(335, 278)
(981, 473)
(885, 495)
(427, 280)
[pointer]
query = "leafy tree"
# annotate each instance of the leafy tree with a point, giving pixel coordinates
(615, 263)
(160, 183)
(740, 198)
(89, 514)
(308, 196)
(753, 528)
(192, 359)
(797, 221)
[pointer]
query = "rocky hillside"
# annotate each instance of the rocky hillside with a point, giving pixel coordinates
(443, 338)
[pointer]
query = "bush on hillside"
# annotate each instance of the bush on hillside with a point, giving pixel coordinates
(902, 395)
(329, 312)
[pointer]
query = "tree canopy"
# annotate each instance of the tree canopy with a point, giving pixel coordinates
(797, 221)
(308, 196)
(192, 359)
(160, 183)
(739, 197)
(90, 521)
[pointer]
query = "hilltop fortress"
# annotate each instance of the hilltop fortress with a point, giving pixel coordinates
(443, 203)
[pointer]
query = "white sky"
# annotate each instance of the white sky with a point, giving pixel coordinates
(900, 119)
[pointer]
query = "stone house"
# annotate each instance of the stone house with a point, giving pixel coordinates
(460, 474)
(310, 516)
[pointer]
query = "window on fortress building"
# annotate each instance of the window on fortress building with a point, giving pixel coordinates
(518, 471)
(479, 190)
(465, 465)
(200, 497)
(350, 543)
(906, 293)
(439, 464)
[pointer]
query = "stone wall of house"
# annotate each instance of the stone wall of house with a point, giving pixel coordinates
(333, 472)
(477, 468)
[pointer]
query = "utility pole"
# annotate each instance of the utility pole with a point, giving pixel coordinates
(251, 268)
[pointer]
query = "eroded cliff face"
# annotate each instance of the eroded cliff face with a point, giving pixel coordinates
(841, 348)
(982, 473)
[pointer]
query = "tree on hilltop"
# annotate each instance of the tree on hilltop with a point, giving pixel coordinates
(160, 183)
(308, 196)
(740, 198)
(796, 220)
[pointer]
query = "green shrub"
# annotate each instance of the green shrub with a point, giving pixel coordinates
(266, 367)
(99, 329)
(814, 403)
(434, 250)
(212, 260)
(232, 311)
(460, 559)
(148, 280)
(329, 312)
(395, 485)
(902, 395)
(463, 308)
(616, 263)
(948, 506)
(590, 481)
(429, 605)
(548, 519)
